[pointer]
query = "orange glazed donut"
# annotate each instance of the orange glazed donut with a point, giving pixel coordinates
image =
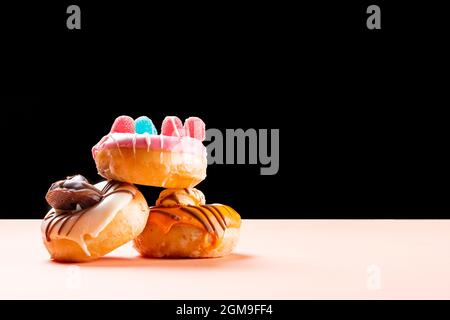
(88, 221)
(133, 152)
(182, 226)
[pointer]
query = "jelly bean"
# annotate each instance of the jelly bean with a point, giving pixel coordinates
(144, 124)
(123, 124)
(172, 126)
(195, 128)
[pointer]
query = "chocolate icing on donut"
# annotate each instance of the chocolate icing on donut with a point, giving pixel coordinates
(181, 205)
(71, 198)
(214, 218)
(75, 193)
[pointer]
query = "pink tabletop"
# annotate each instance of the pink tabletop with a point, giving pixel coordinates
(275, 259)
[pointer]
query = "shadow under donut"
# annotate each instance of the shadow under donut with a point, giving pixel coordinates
(235, 260)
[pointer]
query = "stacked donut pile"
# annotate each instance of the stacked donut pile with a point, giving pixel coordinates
(87, 221)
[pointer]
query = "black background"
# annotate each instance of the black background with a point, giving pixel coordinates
(362, 114)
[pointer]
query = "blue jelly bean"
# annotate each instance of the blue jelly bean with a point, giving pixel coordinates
(144, 124)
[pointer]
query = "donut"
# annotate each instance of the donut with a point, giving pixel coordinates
(133, 152)
(182, 226)
(88, 221)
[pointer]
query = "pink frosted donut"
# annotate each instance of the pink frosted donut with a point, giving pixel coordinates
(133, 152)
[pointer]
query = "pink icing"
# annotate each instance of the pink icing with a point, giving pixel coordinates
(150, 142)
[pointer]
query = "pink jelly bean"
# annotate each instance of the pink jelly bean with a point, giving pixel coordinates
(123, 124)
(172, 126)
(195, 128)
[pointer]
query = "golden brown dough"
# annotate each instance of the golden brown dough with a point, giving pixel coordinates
(83, 234)
(182, 226)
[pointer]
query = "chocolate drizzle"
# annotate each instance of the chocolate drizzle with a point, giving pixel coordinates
(73, 224)
(108, 186)
(57, 215)
(216, 212)
(212, 217)
(200, 216)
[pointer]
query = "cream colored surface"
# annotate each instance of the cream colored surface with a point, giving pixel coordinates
(91, 222)
(291, 259)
